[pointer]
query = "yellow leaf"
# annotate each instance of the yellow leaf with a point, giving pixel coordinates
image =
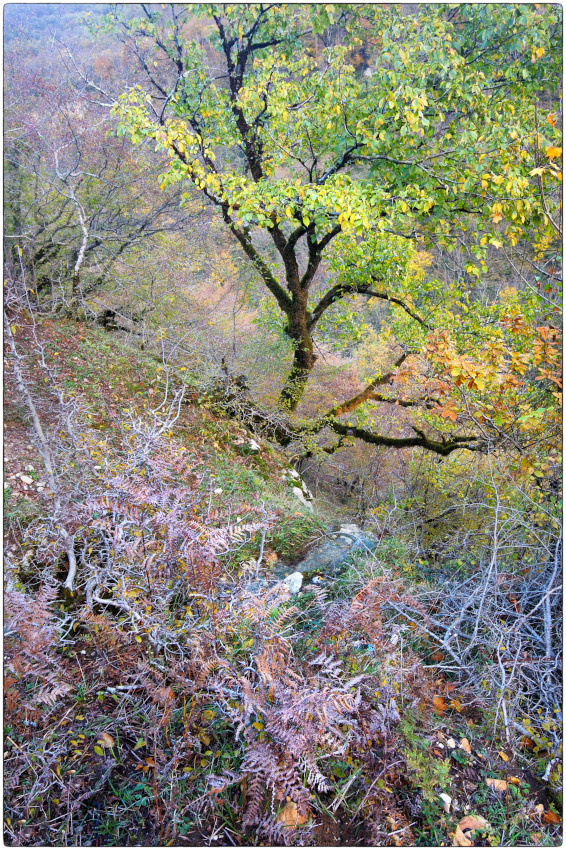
(503, 756)
(460, 840)
(99, 751)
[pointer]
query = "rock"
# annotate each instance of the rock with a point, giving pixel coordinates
(350, 529)
(446, 801)
(294, 582)
(217, 491)
(333, 554)
(26, 479)
(297, 491)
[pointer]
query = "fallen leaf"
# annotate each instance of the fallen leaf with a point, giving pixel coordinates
(551, 817)
(164, 696)
(539, 808)
(289, 815)
(503, 756)
(513, 780)
(460, 840)
(536, 838)
(105, 739)
(496, 784)
(439, 704)
(473, 822)
(465, 745)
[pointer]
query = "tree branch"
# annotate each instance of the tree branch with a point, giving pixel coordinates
(337, 292)
(281, 296)
(443, 448)
(368, 392)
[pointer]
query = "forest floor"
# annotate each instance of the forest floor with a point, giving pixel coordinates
(95, 720)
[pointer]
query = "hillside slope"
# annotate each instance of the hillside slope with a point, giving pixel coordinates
(177, 691)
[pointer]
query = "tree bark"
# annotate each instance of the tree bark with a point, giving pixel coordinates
(304, 357)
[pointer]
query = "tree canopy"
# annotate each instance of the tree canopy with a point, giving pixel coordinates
(441, 140)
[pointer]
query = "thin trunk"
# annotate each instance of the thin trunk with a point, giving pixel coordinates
(76, 293)
(45, 452)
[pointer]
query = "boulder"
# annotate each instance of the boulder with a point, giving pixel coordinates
(294, 582)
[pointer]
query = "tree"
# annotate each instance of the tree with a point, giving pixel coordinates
(77, 200)
(433, 144)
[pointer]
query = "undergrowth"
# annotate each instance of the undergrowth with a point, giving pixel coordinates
(178, 694)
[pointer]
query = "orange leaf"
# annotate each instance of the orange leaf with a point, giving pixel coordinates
(551, 817)
(551, 118)
(289, 815)
(439, 704)
(473, 822)
(553, 153)
(496, 784)
(465, 744)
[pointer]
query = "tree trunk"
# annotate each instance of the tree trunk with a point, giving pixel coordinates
(304, 358)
